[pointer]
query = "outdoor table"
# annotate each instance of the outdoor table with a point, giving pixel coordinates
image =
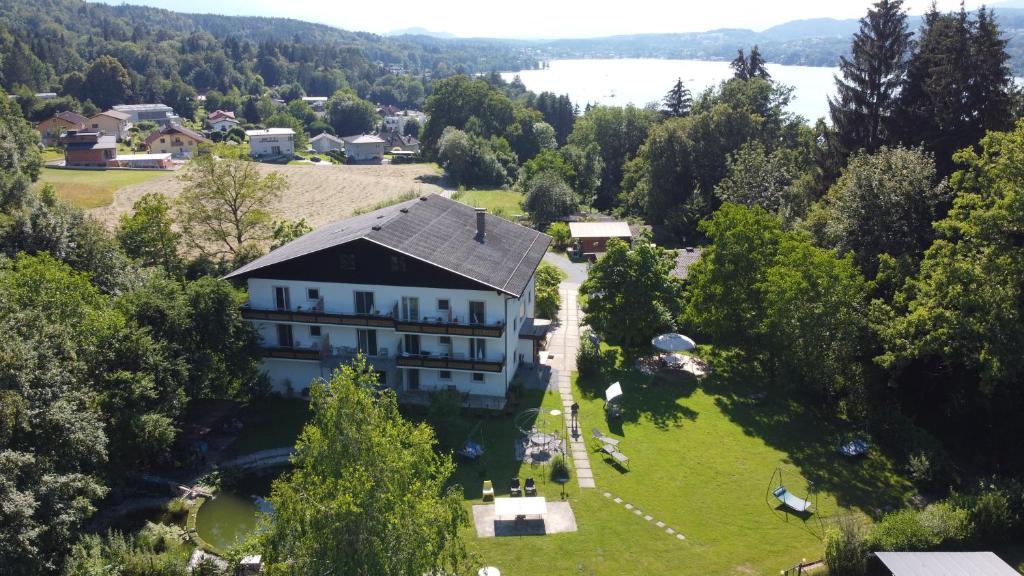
(540, 439)
(515, 507)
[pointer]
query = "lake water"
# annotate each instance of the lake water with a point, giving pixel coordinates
(638, 81)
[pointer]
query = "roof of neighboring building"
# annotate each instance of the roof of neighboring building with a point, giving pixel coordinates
(220, 114)
(130, 157)
(102, 142)
(600, 230)
(395, 138)
(69, 116)
(685, 258)
(435, 230)
(945, 564)
(314, 98)
(362, 139)
(141, 107)
(325, 136)
(222, 119)
(114, 114)
(271, 132)
(175, 129)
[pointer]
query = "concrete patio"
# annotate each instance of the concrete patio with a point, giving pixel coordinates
(558, 519)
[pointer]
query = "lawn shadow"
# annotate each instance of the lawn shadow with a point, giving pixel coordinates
(499, 464)
(434, 179)
(654, 397)
(795, 424)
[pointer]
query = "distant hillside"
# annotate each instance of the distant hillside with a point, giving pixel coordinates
(418, 31)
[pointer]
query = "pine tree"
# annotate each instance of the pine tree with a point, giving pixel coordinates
(739, 66)
(956, 87)
(756, 65)
(678, 101)
(863, 107)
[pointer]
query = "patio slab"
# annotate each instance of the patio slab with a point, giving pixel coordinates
(559, 519)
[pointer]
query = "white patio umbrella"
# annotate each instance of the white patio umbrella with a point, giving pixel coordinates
(673, 342)
(613, 392)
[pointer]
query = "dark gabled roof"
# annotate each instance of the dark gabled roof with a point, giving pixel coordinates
(436, 230)
(72, 117)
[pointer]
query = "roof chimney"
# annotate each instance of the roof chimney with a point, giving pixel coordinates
(481, 226)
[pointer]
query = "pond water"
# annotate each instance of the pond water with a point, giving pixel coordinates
(232, 514)
(617, 82)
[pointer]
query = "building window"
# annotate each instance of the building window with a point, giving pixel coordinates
(478, 376)
(364, 302)
(367, 341)
(347, 261)
(284, 336)
(397, 263)
(445, 375)
(163, 141)
(476, 312)
(443, 305)
(312, 293)
(314, 330)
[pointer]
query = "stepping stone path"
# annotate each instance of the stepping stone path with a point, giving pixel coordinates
(562, 346)
(647, 517)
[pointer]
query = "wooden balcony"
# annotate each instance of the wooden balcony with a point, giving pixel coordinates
(433, 362)
(428, 325)
(292, 353)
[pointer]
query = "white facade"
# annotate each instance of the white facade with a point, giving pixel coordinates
(325, 143)
(223, 124)
(398, 121)
(438, 313)
(364, 148)
(271, 142)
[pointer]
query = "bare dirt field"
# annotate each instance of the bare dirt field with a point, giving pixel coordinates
(320, 194)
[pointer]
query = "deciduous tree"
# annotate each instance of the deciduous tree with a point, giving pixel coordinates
(148, 234)
(548, 198)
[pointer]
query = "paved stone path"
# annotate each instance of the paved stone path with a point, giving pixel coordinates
(562, 346)
(647, 517)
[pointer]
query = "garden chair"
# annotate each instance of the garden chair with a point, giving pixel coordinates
(488, 491)
(515, 488)
(531, 487)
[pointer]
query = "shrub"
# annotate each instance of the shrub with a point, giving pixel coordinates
(559, 469)
(846, 550)
(949, 524)
(902, 531)
(161, 537)
(927, 462)
(588, 357)
(548, 301)
(560, 235)
(992, 517)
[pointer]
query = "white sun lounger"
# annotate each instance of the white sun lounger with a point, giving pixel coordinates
(790, 500)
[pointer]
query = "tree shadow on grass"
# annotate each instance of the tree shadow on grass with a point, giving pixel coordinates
(654, 397)
(434, 179)
(797, 425)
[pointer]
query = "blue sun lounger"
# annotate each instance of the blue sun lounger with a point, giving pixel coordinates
(790, 500)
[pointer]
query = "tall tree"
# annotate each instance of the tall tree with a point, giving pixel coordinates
(756, 65)
(367, 494)
(631, 295)
(863, 107)
(349, 114)
(548, 198)
(107, 82)
(148, 233)
(677, 102)
(740, 71)
(957, 86)
(226, 203)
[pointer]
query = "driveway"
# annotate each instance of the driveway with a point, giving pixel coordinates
(577, 272)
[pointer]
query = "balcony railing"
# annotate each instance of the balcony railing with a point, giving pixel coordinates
(447, 361)
(292, 353)
(449, 325)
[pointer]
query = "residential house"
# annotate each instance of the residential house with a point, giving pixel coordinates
(217, 114)
(112, 122)
(160, 114)
(176, 140)
(143, 161)
(393, 139)
(88, 149)
(364, 148)
(397, 120)
(325, 142)
(271, 142)
(51, 128)
(436, 294)
(317, 103)
(592, 237)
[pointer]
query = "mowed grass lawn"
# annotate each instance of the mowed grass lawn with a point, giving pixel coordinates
(503, 202)
(94, 188)
(701, 461)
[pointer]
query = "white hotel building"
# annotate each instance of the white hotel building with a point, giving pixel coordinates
(436, 294)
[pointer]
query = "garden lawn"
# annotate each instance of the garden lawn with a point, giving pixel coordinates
(94, 188)
(270, 423)
(701, 461)
(502, 202)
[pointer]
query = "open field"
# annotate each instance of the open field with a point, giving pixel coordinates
(94, 188)
(502, 202)
(320, 194)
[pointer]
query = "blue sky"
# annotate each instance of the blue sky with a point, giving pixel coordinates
(543, 18)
